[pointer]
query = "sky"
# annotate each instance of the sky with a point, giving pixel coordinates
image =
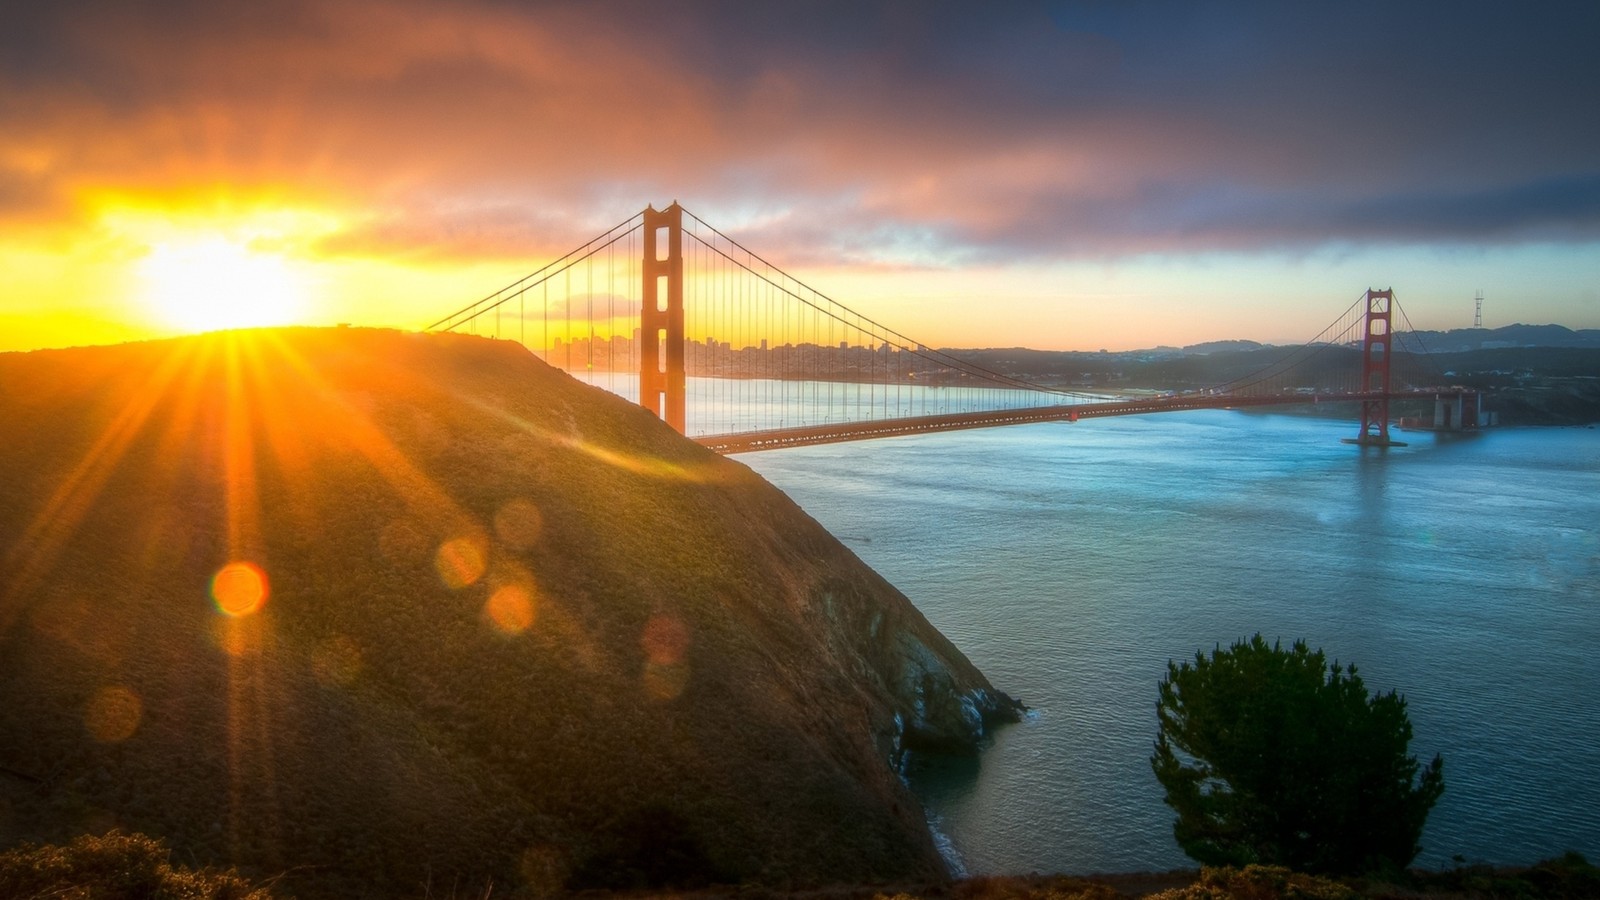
(1060, 175)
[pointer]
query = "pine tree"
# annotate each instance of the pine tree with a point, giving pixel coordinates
(1271, 756)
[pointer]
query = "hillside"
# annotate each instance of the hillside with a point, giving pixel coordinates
(407, 614)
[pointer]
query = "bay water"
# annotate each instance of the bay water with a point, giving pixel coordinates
(1071, 562)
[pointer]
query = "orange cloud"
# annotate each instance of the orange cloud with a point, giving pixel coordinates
(875, 137)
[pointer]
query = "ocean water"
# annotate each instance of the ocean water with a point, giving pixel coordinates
(1070, 562)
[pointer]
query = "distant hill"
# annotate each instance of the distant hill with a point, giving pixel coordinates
(416, 614)
(1066, 363)
(1460, 340)
(1210, 347)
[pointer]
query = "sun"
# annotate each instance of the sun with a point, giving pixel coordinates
(212, 283)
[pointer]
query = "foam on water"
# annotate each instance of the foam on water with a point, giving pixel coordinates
(947, 847)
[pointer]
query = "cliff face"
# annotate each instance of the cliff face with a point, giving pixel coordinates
(394, 611)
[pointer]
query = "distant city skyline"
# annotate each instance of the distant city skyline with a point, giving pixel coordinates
(1057, 175)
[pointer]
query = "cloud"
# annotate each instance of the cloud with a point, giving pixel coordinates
(492, 228)
(883, 134)
(1553, 209)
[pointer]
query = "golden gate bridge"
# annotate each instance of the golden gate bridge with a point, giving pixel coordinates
(740, 355)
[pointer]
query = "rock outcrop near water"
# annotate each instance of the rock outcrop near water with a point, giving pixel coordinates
(417, 614)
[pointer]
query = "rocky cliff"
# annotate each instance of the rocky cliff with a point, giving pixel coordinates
(405, 614)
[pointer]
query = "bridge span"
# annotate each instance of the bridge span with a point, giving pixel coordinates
(780, 438)
(664, 295)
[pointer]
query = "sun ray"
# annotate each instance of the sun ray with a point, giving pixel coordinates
(654, 467)
(289, 419)
(354, 429)
(239, 466)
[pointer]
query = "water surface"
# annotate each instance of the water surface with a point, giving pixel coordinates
(1072, 561)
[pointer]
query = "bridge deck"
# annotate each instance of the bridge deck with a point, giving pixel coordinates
(775, 439)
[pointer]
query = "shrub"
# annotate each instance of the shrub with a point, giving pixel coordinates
(1258, 883)
(1271, 756)
(114, 866)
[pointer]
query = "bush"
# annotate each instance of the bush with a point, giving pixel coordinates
(1270, 756)
(114, 866)
(1258, 883)
(1567, 877)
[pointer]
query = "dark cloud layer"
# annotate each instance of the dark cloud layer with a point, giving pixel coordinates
(929, 130)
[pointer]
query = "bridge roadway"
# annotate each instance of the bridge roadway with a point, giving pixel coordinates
(780, 438)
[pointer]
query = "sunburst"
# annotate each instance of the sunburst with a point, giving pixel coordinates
(214, 283)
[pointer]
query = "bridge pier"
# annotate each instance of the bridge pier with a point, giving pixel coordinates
(1460, 411)
(1454, 411)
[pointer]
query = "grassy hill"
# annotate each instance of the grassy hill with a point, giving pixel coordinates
(406, 614)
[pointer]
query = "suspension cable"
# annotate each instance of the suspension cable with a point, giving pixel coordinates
(1299, 355)
(582, 252)
(906, 344)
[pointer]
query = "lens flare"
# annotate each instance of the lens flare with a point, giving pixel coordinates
(665, 681)
(240, 637)
(664, 640)
(461, 562)
(113, 715)
(239, 589)
(510, 609)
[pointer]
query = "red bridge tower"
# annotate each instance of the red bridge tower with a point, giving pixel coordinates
(1375, 365)
(662, 381)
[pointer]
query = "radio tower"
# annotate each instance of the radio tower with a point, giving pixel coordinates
(1477, 314)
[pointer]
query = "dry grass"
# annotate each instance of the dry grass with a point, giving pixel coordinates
(113, 867)
(120, 866)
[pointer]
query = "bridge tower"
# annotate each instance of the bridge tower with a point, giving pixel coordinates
(662, 381)
(1375, 367)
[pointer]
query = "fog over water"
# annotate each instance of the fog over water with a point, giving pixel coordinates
(1071, 562)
